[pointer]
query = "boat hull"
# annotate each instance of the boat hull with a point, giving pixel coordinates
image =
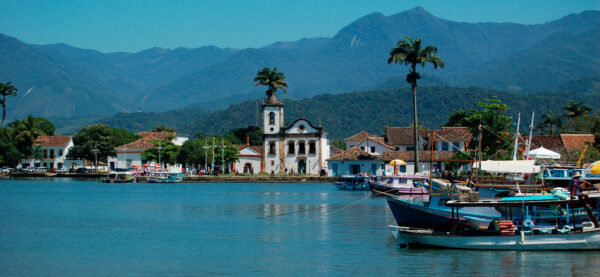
(575, 241)
(393, 190)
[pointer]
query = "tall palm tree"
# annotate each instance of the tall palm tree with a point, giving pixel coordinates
(549, 118)
(576, 109)
(272, 79)
(5, 90)
(411, 53)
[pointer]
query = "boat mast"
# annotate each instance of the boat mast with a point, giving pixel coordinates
(431, 163)
(479, 156)
(516, 139)
(530, 134)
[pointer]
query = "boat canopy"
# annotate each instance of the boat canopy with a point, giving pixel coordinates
(543, 153)
(524, 166)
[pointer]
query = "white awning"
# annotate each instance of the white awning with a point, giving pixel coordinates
(524, 166)
(543, 153)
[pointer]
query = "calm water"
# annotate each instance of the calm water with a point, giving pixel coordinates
(65, 227)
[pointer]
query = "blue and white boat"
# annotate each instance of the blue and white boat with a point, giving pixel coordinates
(353, 182)
(164, 177)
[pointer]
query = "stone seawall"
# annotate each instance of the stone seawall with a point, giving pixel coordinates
(197, 179)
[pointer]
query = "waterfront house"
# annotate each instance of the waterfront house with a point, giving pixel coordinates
(354, 161)
(440, 158)
(54, 153)
(129, 154)
(375, 146)
(300, 146)
(250, 159)
(357, 138)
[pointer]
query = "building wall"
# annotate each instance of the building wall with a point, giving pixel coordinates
(450, 146)
(379, 149)
(339, 168)
(253, 161)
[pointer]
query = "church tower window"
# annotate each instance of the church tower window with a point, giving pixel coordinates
(271, 118)
(271, 148)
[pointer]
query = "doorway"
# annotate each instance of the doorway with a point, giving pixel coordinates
(302, 166)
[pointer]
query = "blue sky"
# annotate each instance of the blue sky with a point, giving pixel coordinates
(134, 25)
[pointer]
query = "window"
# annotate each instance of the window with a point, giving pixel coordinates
(362, 148)
(373, 169)
(45, 154)
(456, 147)
(60, 153)
(301, 147)
(301, 128)
(291, 147)
(444, 146)
(272, 163)
(271, 118)
(271, 148)
(312, 147)
(372, 149)
(51, 153)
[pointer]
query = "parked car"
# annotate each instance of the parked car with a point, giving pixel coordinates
(29, 169)
(61, 170)
(41, 169)
(83, 170)
(6, 170)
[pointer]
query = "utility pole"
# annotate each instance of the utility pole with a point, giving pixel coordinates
(212, 165)
(159, 148)
(205, 155)
(95, 150)
(222, 156)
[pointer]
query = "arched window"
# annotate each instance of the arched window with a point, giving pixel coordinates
(291, 147)
(312, 147)
(301, 147)
(271, 118)
(272, 148)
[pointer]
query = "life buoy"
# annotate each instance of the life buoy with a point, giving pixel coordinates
(528, 223)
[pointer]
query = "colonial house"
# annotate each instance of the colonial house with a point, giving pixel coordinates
(440, 158)
(375, 146)
(454, 139)
(354, 161)
(129, 154)
(250, 159)
(54, 153)
(357, 138)
(301, 146)
(402, 138)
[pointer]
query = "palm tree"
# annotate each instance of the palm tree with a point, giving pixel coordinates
(6, 89)
(549, 118)
(576, 109)
(272, 79)
(410, 52)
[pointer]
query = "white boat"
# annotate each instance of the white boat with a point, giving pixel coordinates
(506, 236)
(164, 177)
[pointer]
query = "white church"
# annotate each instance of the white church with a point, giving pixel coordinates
(301, 147)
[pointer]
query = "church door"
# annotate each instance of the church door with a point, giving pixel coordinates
(302, 166)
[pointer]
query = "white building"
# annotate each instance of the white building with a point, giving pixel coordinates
(301, 147)
(354, 161)
(54, 153)
(130, 154)
(374, 146)
(250, 160)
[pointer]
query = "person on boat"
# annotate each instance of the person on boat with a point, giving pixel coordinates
(575, 185)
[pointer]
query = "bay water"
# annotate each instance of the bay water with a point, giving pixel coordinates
(68, 227)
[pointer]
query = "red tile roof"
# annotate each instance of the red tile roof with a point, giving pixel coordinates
(553, 143)
(424, 156)
(453, 134)
(358, 137)
(379, 140)
(143, 143)
(352, 154)
(397, 136)
(576, 141)
(53, 140)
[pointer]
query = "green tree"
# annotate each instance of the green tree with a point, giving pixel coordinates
(239, 135)
(272, 79)
(410, 52)
(100, 136)
(9, 154)
(26, 131)
(163, 152)
(496, 126)
(192, 152)
(576, 109)
(549, 118)
(163, 129)
(6, 90)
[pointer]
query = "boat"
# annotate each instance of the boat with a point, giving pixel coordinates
(354, 182)
(503, 234)
(164, 177)
(560, 176)
(400, 184)
(119, 177)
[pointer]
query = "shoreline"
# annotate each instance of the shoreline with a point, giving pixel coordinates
(193, 179)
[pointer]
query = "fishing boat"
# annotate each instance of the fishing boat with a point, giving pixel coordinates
(164, 177)
(353, 182)
(503, 234)
(119, 177)
(400, 184)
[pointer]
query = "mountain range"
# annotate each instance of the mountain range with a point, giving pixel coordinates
(60, 81)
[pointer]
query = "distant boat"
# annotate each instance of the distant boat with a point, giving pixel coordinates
(119, 177)
(400, 184)
(504, 235)
(353, 182)
(164, 177)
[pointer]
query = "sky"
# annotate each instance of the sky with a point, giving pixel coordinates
(135, 25)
